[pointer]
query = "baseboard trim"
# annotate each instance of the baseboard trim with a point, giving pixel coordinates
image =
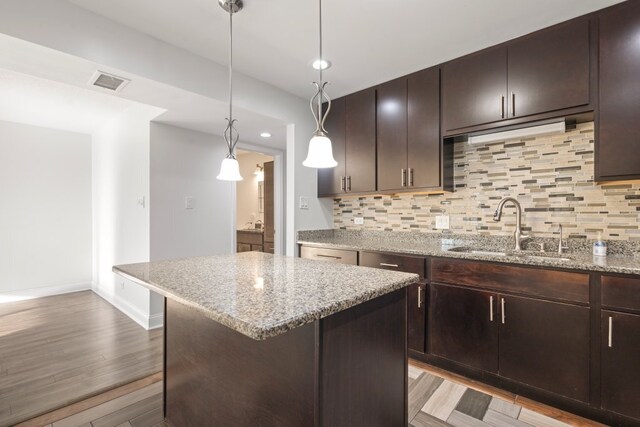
(146, 321)
(45, 291)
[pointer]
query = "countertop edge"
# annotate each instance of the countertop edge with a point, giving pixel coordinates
(567, 265)
(261, 334)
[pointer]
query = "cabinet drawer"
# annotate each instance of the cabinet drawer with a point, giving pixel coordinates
(407, 264)
(333, 255)
(249, 238)
(621, 292)
(560, 285)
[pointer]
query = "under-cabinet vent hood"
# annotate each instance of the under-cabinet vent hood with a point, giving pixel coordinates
(108, 81)
(529, 131)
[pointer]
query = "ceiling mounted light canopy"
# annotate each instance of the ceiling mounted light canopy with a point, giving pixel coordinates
(230, 169)
(320, 153)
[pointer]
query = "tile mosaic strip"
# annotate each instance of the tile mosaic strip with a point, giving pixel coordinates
(551, 176)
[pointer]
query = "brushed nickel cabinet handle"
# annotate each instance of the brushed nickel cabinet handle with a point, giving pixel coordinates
(343, 185)
(403, 177)
(349, 183)
(491, 308)
(513, 104)
(419, 296)
(502, 106)
(610, 338)
(384, 264)
(503, 314)
(410, 177)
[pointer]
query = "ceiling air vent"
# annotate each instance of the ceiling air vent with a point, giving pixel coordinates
(108, 81)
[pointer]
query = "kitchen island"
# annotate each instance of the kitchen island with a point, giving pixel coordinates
(258, 339)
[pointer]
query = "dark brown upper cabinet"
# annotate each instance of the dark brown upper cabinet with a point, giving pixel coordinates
(540, 75)
(409, 143)
(474, 89)
(351, 126)
(617, 153)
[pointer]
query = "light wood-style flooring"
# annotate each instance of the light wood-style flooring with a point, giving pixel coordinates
(58, 350)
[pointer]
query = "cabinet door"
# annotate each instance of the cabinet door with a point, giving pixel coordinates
(473, 89)
(463, 326)
(545, 345)
(361, 141)
(416, 316)
(621, 363)
(423, 129)
(269, 231)
(549, 70)
(618, 127)
(330, 179)
(392, 135)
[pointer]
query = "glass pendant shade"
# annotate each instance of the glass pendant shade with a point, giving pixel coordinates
(229, 170)
(320, 153)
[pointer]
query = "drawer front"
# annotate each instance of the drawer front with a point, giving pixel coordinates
(250, 238)
(407, 264)
(333, 255)
(621, 292)
(560, 285)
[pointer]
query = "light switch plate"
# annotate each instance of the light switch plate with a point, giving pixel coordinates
(358, 220)
(304, 203)
(189, 202)
(442, 222)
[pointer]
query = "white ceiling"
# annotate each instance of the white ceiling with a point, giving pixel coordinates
(44, 87)
(368, 41)
(39, 102)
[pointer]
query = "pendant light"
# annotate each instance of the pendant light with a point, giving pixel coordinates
(320, 153)
(230, 169)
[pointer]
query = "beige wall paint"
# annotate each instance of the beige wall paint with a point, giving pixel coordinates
(247, 190)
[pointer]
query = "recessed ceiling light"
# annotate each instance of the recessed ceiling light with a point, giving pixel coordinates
(265, 135)
(324, 63)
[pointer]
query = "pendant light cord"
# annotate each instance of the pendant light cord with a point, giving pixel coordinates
(229, 132)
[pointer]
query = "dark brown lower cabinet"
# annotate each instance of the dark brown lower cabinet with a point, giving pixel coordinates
(545, 345)
(620, 367)
(462, 326)
(416, 317)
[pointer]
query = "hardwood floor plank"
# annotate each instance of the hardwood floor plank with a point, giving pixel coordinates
(110, 407)
(130, 412)
(61, 349)
(92, 402)
(149, 419)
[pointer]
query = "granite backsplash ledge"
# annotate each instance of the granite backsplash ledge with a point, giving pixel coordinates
(398, 240)
(551, 176)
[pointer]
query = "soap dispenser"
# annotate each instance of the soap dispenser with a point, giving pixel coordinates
(600, 246)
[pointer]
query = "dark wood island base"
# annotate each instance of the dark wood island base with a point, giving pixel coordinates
(347, 369)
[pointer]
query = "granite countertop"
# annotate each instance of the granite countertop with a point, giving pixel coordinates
(623, 258)
(262, 295)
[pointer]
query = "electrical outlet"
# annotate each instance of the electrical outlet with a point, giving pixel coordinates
(304, 203)
(358, 220)
(189, 202)
(442, 222)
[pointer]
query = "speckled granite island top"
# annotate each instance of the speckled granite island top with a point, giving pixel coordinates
(262, 295)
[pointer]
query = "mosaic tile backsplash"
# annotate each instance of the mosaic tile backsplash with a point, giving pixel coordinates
(551, 176)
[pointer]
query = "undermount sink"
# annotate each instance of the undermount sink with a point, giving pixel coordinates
(531, 256)
(547, 258)
(466, 250)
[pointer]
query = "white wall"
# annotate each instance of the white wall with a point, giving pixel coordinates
(247, 205)
(121, 222)
(45, 218)
(95, 38)
(185, 163)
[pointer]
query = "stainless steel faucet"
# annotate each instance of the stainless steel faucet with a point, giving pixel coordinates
(518, 233)
(561, 245)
